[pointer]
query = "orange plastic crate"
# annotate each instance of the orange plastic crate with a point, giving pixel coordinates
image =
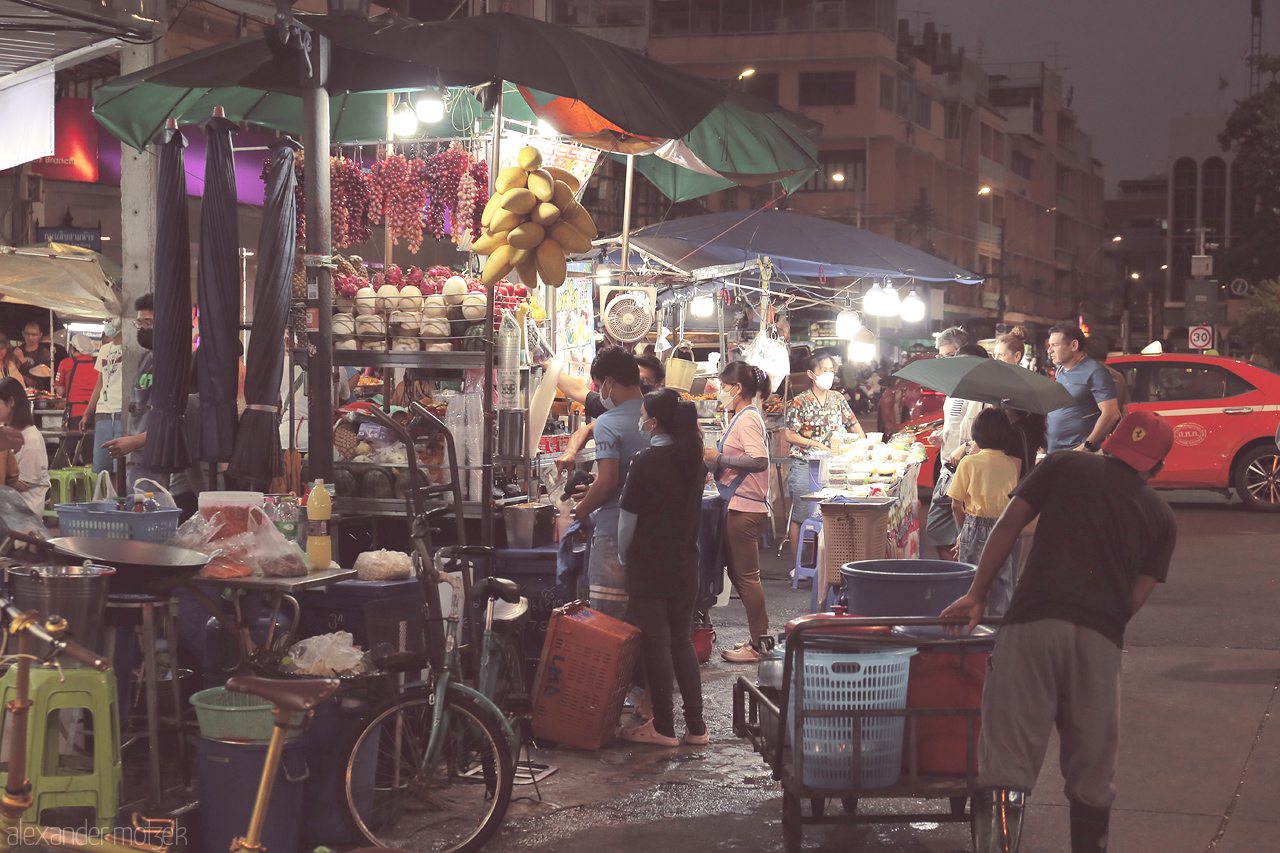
(583, 676)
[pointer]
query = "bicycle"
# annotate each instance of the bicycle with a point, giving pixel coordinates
(431, 768)
(288, 698)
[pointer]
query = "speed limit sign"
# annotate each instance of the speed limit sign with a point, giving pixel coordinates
(1201, 337)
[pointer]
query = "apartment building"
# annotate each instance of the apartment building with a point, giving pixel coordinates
(985, 166)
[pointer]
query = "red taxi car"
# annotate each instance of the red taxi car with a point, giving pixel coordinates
(1224, 414)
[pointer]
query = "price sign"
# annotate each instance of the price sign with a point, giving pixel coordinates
(1201, 337)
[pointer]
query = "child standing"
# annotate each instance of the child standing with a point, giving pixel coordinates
(979, 492)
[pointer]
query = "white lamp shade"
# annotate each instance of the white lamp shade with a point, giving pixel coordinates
(892, 302)
(703, 306)
(879, 303)
(847, 322)
(862, 347)
(913, 308)
(604, 273)
(404, 121)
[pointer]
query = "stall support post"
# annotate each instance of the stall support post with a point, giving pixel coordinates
(626, 222)
(315, 106)
(487, 536)
(720, 327)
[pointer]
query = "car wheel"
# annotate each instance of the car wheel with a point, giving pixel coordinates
(1257, 478)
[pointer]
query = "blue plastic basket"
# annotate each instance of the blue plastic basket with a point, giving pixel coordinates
(842, 681)
(104, 521)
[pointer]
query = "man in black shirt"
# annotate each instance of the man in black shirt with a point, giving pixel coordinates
(36, 357)
(1103, 542)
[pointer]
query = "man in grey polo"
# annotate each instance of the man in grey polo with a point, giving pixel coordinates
(1096, 410)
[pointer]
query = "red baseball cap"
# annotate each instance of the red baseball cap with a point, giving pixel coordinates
(1141, 440)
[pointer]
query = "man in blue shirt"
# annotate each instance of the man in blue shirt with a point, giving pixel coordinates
(618, 438)
(1096, 411)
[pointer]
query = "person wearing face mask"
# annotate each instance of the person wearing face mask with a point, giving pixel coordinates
(618, 440)
(103, 410)
(740, 465)
(652, 378)
(659, 517)
(812, 418)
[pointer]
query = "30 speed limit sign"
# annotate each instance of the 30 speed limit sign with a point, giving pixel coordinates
(1201, 337)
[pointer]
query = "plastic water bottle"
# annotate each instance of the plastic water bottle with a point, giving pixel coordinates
(319, 511)
(149, 502)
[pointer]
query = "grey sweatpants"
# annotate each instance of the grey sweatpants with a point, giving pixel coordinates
(1043, 674)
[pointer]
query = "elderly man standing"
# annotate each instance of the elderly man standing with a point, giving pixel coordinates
(1105, 541)
(1096, 410)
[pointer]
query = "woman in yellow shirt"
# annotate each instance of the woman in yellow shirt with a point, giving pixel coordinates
(979, 492)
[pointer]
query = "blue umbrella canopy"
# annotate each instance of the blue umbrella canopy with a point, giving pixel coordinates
(799, 246)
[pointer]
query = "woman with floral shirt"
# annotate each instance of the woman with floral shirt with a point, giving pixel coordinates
(812, 418)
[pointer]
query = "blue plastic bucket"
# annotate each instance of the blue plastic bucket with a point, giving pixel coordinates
(327, 733)
(229, 773)
(904, 587)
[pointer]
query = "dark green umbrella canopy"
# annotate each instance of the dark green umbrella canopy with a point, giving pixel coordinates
(383, 54)
(987, 380)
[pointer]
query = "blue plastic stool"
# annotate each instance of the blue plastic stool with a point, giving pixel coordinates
(809, 530)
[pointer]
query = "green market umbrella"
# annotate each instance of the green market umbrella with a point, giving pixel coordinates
(987, 380)
(384, 54)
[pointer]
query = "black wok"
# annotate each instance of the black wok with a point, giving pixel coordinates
(141, 567)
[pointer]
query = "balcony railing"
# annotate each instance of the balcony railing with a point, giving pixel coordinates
(989, 234)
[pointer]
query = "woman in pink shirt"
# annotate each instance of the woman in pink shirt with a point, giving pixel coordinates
(740, 464)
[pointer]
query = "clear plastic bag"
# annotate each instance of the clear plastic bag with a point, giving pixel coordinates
(272, 553)
(158, 493)
(327, 654)
(383, 565)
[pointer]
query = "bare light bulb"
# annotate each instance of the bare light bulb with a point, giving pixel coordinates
(862, 348)
(404, 121)
(913, 308)
(430, 107)
(703, 306)
(847, 323)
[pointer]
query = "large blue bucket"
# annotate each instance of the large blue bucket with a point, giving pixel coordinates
(904, 587)
(229, 773)
(327, 733)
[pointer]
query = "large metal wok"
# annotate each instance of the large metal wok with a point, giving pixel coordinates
(141, 567)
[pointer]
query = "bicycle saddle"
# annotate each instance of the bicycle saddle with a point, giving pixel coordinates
(287, 694)
(495, 588)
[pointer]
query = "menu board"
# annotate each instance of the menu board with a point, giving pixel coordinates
(575, 342)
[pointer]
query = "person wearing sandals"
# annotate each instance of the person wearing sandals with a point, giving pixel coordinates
(659, 516)
(740, 465)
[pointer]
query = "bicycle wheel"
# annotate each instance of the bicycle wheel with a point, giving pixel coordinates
(450, 802)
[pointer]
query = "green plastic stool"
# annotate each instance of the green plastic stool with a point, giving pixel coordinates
(56, 781)
(87, 480)
(64, 485)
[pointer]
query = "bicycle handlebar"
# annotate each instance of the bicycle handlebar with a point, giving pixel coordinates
(69, 648)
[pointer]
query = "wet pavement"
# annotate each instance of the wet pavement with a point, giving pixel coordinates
(1199, 764)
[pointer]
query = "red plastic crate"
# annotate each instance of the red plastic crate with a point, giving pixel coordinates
(583, 676)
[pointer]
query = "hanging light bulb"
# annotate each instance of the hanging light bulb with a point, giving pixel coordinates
(873, 301)
(892, 305)
(430, 106)
(603, 274)
(847, 322)
(862, 347)
(404, 121)
(703, 306)
(913, 308)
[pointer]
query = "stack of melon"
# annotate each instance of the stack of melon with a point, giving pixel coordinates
(532, 222)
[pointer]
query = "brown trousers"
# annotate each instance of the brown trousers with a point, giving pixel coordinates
(742, 543)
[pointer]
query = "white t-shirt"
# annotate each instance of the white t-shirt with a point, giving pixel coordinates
(110, 364)
(33, 468)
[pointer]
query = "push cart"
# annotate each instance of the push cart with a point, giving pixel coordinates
(764, 715)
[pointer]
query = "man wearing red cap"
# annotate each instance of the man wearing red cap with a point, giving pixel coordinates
(1103, 542)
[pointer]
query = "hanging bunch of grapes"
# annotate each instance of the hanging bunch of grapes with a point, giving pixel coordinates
(349, 203)
(480, 179)
(444, 173)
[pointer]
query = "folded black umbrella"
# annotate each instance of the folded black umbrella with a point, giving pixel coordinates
(218, 295)
(256, 459)
(166, 447)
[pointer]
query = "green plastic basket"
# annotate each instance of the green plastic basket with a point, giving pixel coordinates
(224, 715)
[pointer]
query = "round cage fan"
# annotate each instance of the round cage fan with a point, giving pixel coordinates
(628, 315)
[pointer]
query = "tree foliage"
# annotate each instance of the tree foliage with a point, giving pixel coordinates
(1252, 133)
(1259, 326)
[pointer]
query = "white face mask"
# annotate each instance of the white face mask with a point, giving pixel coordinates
(605, 400)
(825, 381)
(725, 396)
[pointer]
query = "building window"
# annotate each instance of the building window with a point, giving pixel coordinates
(887, 85)
(850, 165)
(1213, 203)
(984, 141)
(599, 13)
(1064, 180)
(958, 120)
(997, 146)
(763, 85)
(1021, 164)
(906, 96)
(924, 110)
(827, 88)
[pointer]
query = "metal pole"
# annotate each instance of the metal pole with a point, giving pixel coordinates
(315, 106)
(626, 223)
(1004, 271)
(720, 326)
(489, 419)
(387, 246)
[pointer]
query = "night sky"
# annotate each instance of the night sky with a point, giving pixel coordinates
(1135, 64)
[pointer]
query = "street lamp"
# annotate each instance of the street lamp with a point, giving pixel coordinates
(1135, 276)
(1116, 239)
(746, 72)
(984, 191)
(838, 177)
